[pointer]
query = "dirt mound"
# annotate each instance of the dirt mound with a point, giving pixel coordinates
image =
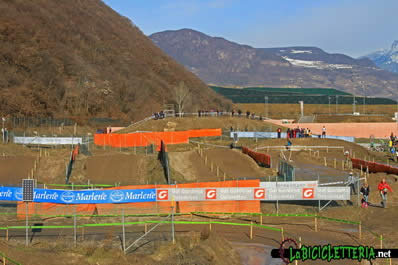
(236, 164)
(191, 166)
(15, 168)
(191, 123)
(81, 58)
(124, 168)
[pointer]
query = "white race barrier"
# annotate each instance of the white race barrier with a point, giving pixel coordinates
(284, 135)
(48, 140)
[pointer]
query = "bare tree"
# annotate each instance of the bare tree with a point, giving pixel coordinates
(182, 95)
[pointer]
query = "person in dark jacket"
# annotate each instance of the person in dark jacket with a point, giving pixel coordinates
(365, 193)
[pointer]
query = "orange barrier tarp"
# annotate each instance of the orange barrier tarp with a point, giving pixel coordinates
(147, 138)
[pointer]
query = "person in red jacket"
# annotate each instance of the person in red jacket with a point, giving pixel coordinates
(383, 187)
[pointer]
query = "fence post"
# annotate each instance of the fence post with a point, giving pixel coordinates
(251, 229)
(211, 166)
(224, 176)
(7, 234)
(316, 224)
(335, 163)
(361, 170)
(261, 220)
(283, 236)
(205, 160)
(210, 226)
(342, 165)
(146, 227)
(360, 230)
(324, 159)
(381, 241)
(124, 232)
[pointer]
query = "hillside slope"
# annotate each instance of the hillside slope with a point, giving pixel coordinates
(225, 63)
(81, 58)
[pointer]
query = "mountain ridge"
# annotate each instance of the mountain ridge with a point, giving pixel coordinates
(386, 59)
(222, 62)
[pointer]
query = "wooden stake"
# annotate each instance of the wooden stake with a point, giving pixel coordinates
(360, 230)
(251, 229)
(335, 163)
(211, 166)
(316, 224)
(210, 226)
(283, 236)
(205, 160)
(342, 165)
(261, 220)
(353, 155)
(7, 234)
(146, 227)
(361, 171)
(218, 170)
(224, 176)
(324, 159)
(381, 241)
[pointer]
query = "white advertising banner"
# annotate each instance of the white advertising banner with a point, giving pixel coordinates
(48, 140)
(289, 184)
(260, 193)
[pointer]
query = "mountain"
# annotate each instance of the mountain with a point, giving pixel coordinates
(386, 59)
(221, 62)
(75, 58)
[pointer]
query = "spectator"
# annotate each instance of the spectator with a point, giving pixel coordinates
(233, 112)
(365, 193)
(324, 132)
(279, 130)
(383, 187)
(239, 112)
(351, 183)
(247, 114)
(288, 133)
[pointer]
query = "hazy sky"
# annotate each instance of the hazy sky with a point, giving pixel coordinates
(353, 27)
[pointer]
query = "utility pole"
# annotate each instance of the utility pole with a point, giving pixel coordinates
(266, 106)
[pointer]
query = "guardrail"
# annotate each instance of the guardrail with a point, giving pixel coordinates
(5, 259)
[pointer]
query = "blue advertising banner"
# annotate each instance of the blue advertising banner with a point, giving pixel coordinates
(81, 196)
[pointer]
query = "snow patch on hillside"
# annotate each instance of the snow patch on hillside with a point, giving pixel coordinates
(316, 64)
(299, 51)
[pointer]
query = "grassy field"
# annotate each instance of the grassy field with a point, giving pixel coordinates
(293, 110)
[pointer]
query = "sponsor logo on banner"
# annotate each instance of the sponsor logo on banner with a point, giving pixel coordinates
(116, 196)
(18, 194)
(259, 194)
(67, 196)
(308, 193)
(162, 195)
(211, 194)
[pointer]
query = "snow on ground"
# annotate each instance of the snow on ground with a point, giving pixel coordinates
(316, 64)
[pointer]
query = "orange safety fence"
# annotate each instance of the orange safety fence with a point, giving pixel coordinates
(147, 138)
(150, 207)
(373, 167)
(260, 158)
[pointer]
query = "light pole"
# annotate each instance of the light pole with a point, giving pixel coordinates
(329, 104)
(266, 106)
(353, 105)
